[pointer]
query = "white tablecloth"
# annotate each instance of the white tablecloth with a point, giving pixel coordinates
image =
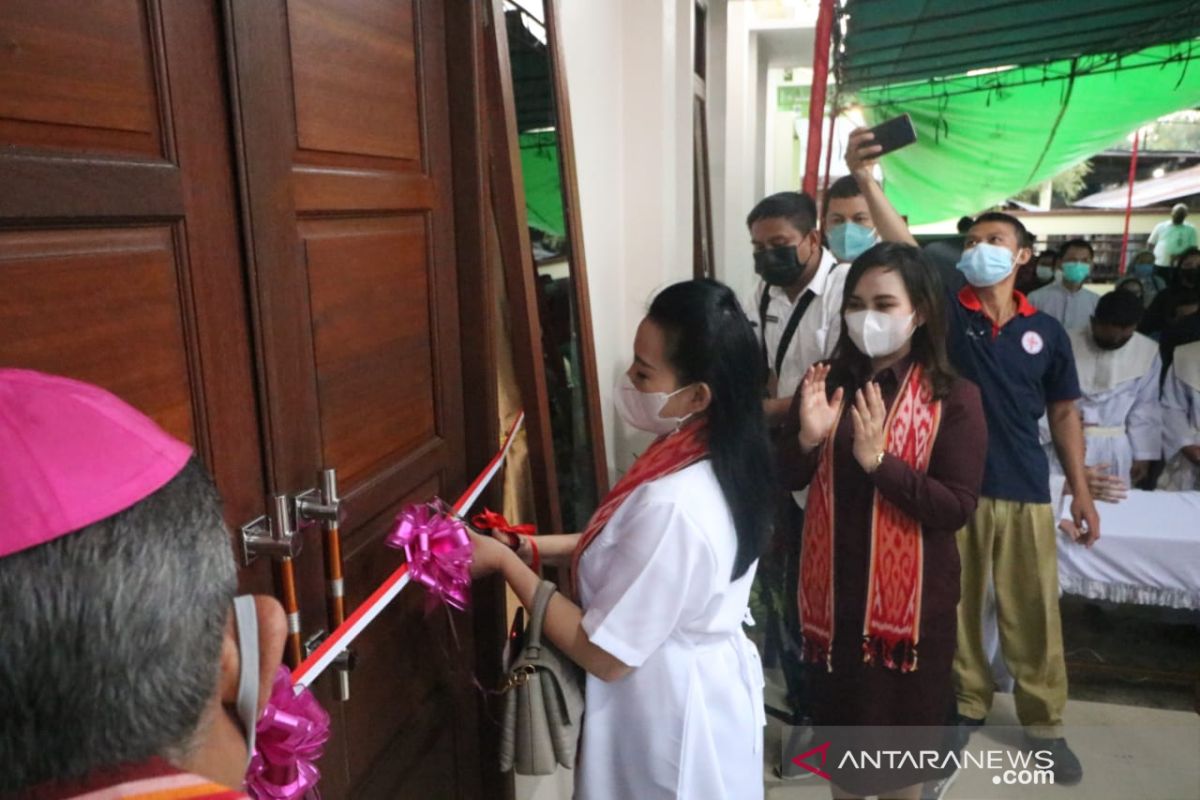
(1148, 553)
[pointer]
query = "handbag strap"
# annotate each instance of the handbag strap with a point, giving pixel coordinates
(537, 614)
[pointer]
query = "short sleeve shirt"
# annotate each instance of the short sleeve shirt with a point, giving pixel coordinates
(1020, 369)
(817, 334)
(1171, 240)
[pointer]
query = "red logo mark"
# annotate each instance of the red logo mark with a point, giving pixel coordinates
(823, 750)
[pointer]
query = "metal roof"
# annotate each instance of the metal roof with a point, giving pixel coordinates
(1184, 183)
(897, 41)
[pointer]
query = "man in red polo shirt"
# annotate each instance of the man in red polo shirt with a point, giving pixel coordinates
(1022, 362)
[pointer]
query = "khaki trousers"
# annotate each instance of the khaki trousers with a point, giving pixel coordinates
(1015, 545)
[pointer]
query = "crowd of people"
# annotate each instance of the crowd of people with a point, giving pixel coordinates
(904, 434)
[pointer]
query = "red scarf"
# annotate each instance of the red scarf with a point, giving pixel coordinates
(667, 455)
(891, 628)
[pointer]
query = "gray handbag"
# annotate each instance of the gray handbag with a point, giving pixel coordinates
(543, 704)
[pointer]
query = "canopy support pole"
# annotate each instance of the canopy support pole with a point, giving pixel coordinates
(1129, 202)
(816, 107)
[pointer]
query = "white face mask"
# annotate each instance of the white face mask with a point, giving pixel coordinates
(878, 334)
(642, 410)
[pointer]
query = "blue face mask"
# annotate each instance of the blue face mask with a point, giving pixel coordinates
(850, 240)
(1143, 269)
(986, 264)
(1076, 271)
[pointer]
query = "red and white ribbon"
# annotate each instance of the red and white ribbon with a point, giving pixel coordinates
(312, 667)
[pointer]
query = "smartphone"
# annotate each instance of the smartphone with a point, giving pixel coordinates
(893, 134)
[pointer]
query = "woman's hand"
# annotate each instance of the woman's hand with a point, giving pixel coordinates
(487, 555)
(817, 410)
(869, 415)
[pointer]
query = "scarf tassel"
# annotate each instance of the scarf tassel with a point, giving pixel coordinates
(814, 652)
(893, 653)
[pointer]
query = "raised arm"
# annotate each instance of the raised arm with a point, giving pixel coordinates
(861, 158)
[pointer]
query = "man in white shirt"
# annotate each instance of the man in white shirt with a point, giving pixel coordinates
(796, 307)
(1066, 300)
(1172, 237)
(1119, 371)
(1181, 428)
(793, 264)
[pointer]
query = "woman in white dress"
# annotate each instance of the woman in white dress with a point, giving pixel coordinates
(674, 703)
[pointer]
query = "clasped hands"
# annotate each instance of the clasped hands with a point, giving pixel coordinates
(819, 412)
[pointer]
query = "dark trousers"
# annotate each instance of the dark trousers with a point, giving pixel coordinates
(779, 582)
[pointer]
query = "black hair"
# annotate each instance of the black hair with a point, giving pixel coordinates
(797, 208)
(112, 636)
(709, 339)
(1122, 309)
(844, 187)
(852, 367)
(1085, 244)
(1185, 255)
(964, 224)
(1008, 219)
(1049, 251)
(1121, 284)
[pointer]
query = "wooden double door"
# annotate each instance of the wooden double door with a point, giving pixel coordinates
(239, 217)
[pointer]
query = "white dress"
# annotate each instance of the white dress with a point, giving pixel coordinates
(655, 586)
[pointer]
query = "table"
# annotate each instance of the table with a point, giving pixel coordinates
(1148, 552)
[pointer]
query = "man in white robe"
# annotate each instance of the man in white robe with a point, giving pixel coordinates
(1181, 421)
(1066, 300)
(1119, 372)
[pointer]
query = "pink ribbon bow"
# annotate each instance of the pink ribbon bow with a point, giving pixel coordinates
(290, 739)
(438, 550)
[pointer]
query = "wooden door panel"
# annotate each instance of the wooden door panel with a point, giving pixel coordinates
(345, 142)
(119, 255)
(79, 78)
(104, 306)
(355, 77)
(370, 296)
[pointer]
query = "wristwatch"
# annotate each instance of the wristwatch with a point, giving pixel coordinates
(878, 461)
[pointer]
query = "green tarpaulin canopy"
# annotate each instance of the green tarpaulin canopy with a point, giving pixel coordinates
(543, 182)
(892, 41)
(982, 139)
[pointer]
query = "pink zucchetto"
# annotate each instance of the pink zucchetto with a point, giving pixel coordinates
(72, 454)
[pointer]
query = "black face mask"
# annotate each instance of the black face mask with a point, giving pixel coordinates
(1111, 344)
(779, 266)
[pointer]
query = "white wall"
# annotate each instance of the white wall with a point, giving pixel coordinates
(736, 176)
(629, 73)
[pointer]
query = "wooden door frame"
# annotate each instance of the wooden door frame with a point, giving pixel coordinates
(478, 321)
(516, 253)
(574, 223)
(508, 192)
